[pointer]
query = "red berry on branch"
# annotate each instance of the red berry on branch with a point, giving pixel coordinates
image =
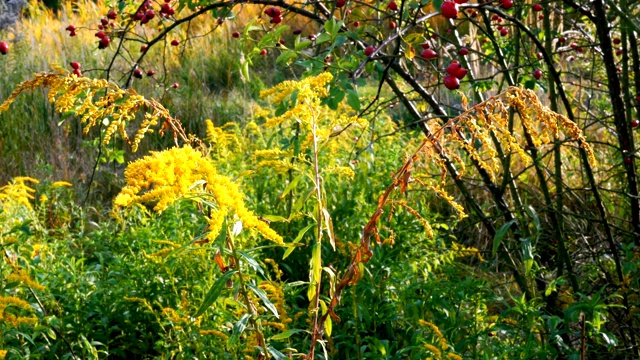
(104, 22)
(175, 42)
(635, 123)
(112, 14)
(137, 73)
(276, 20)
(75, 65)
(504, 32)
(462, 72)
(506, 4)
(537, 8)
(617, 41)
(312, 37)
(537, 74)
(392, 25)
(628, 161)
(175, 85)
(298, 31)
(144, 48)
(340, 3)
(263, 52)
(393, 6)
(151, 72)
(449, 9)
(356, 24)
(539, 55)
(100, 34)
(150, 14)
(425, 45)
(235, 34)
(451, 82)
(4, 48)
(464, 51)
(428, 54)
(453, 68)
(562, 40)
(77, 72)
(70, 28)
(272, 12)
(104, 43)
(369, 50)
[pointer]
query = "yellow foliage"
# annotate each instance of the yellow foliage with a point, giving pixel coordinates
(164, 177)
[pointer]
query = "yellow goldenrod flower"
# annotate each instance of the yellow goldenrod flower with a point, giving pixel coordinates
(61, 184)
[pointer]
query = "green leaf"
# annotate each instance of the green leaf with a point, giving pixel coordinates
(437, 4)
(353, 100)
(291, 186)
(238, 329)
(214, 292)
(265, 300)
(275, 218)
(286, 56)
(296, 240)
(497, 239)
(322, 38)
(285, 334)
(252, 262)
(530, 84)
(302, 45)
(315, 270)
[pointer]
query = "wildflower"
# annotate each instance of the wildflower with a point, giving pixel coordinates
(20, 276)
(61, 184)
(433, 350)
(164, 177)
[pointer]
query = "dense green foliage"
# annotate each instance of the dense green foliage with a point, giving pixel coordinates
(358, 163)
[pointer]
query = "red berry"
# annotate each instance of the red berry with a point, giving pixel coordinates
(562, 39)
(573, 45)
(619, 52)
(451, 82)
(70, 28)
(144, 48)
(428, 54)
(356, 24)
(504, 32)
(298, 31)
(100, 34)
(4, 48)
(453, 68)
(175, 85)
(272, 12)
(104, 22)
(104, 42)
(150, 14)
(369, 50)
(392, 25)
(151, 72)
(137, 73)
(537, 8)
(165, 8)
(75, 65)
(506, 4)
(221, 20)
(281, 42)
(425, 45)
(340, 3)
(72, 33)
(276, 20)
(541, 17)
(464, 51)
(112, 14)
(635, 123)
(460, 1)
(537, 74)
(393, 6)
(500, 27)
(539, 55)
(449, 9)
(617, 41)
(495, 17)
(434, 36)
(580, 49)
(627, 161)
(235, 34)
(312, 37)
(462, 72)
(175, 42)
(77, 72)
(263, 52)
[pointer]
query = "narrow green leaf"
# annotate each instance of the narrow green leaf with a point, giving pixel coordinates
(291, 186)
(322, 38)
(296, 240)
(238, 329)
(286, 56)
(252, 262)
(497, 240)
(285, 334)
(214, 292)
(265, 300)
(302, 45)
(353, 100)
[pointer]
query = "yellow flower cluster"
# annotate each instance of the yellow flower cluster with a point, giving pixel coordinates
(61, 184)
(217, 333)
(21, 277)
(309, 93)
(3, 354)
(79, 95)
(438, 335)
(12, 319)
(466, 251)
(276, 295)
(166, 176)
(17, 193)
(222, 142)
(145, 303)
